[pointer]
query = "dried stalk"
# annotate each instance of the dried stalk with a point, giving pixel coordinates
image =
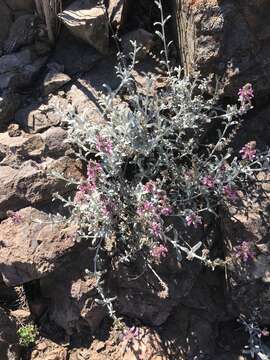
(49, 9)
(39, 8)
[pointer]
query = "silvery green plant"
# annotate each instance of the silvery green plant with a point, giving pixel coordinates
(150, 159)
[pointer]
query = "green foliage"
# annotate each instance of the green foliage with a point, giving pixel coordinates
(28, 334)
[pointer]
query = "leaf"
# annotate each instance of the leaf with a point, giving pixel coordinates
(159, 34)
(158, 3)
(167, 19)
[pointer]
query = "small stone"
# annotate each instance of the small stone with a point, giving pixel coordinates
(14, 130)
(100, 346)
(53, 81)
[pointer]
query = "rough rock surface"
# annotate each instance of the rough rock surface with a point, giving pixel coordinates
(228, 38)
(144, 297)
(18, 69)
(6, 21)
(146, 345)
(30, 184)
(86, 20)
(47, 350)
(191, 330)
(39, 117)
(53, 81)
(32, 244)
(250, 278)
(71, 293)
(22, 32)
(9, 104)
(117, 12)
(54, 139)
(8, 337)
(74, 55)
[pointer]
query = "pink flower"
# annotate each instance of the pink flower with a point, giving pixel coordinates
(93, 170)
(193, 219)
(166, 211)
(230, 193)
(265, 332)
(16, 217)
(84, 189)
(158, 252)
(130, 334)
(79, 197)
(87, 188)
(109, 207)
(147, 207)
(208, 181)
(248, 152)
(246, 94)
(104, 145)
(244, 251)
(150, 187)
(156, 229)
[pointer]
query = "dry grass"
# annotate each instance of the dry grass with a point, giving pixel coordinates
(48, 10)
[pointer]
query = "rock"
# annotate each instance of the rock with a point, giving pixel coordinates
(14, 130)
(82, 103)
(12, 144)
(21, 147)
(30, 184)
(146, 344)
(39, 117)
(22, 316)
(87, 21)
(81, 98)
(9, 104)
(54, 139)
(254, 128)
(74, 55)
(53, 81)
(72, 295)
(227, 39)
(32, 148)
(117, 13)
(22, 5)
(152, 304)
(6, 20)
(33, 246)
(18, 69)
(249, 277)
(22, 33)
(191, 329)
(143, 38)
(8, 337)
(48, 350)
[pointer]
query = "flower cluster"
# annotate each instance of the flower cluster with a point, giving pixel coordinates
(130, 334)
(248, 152)
(153, 203)
(104, 145)
(245, 251)
(245, 94)
(15, 217)
(193, 219)
(158, 252)
(208, 181)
